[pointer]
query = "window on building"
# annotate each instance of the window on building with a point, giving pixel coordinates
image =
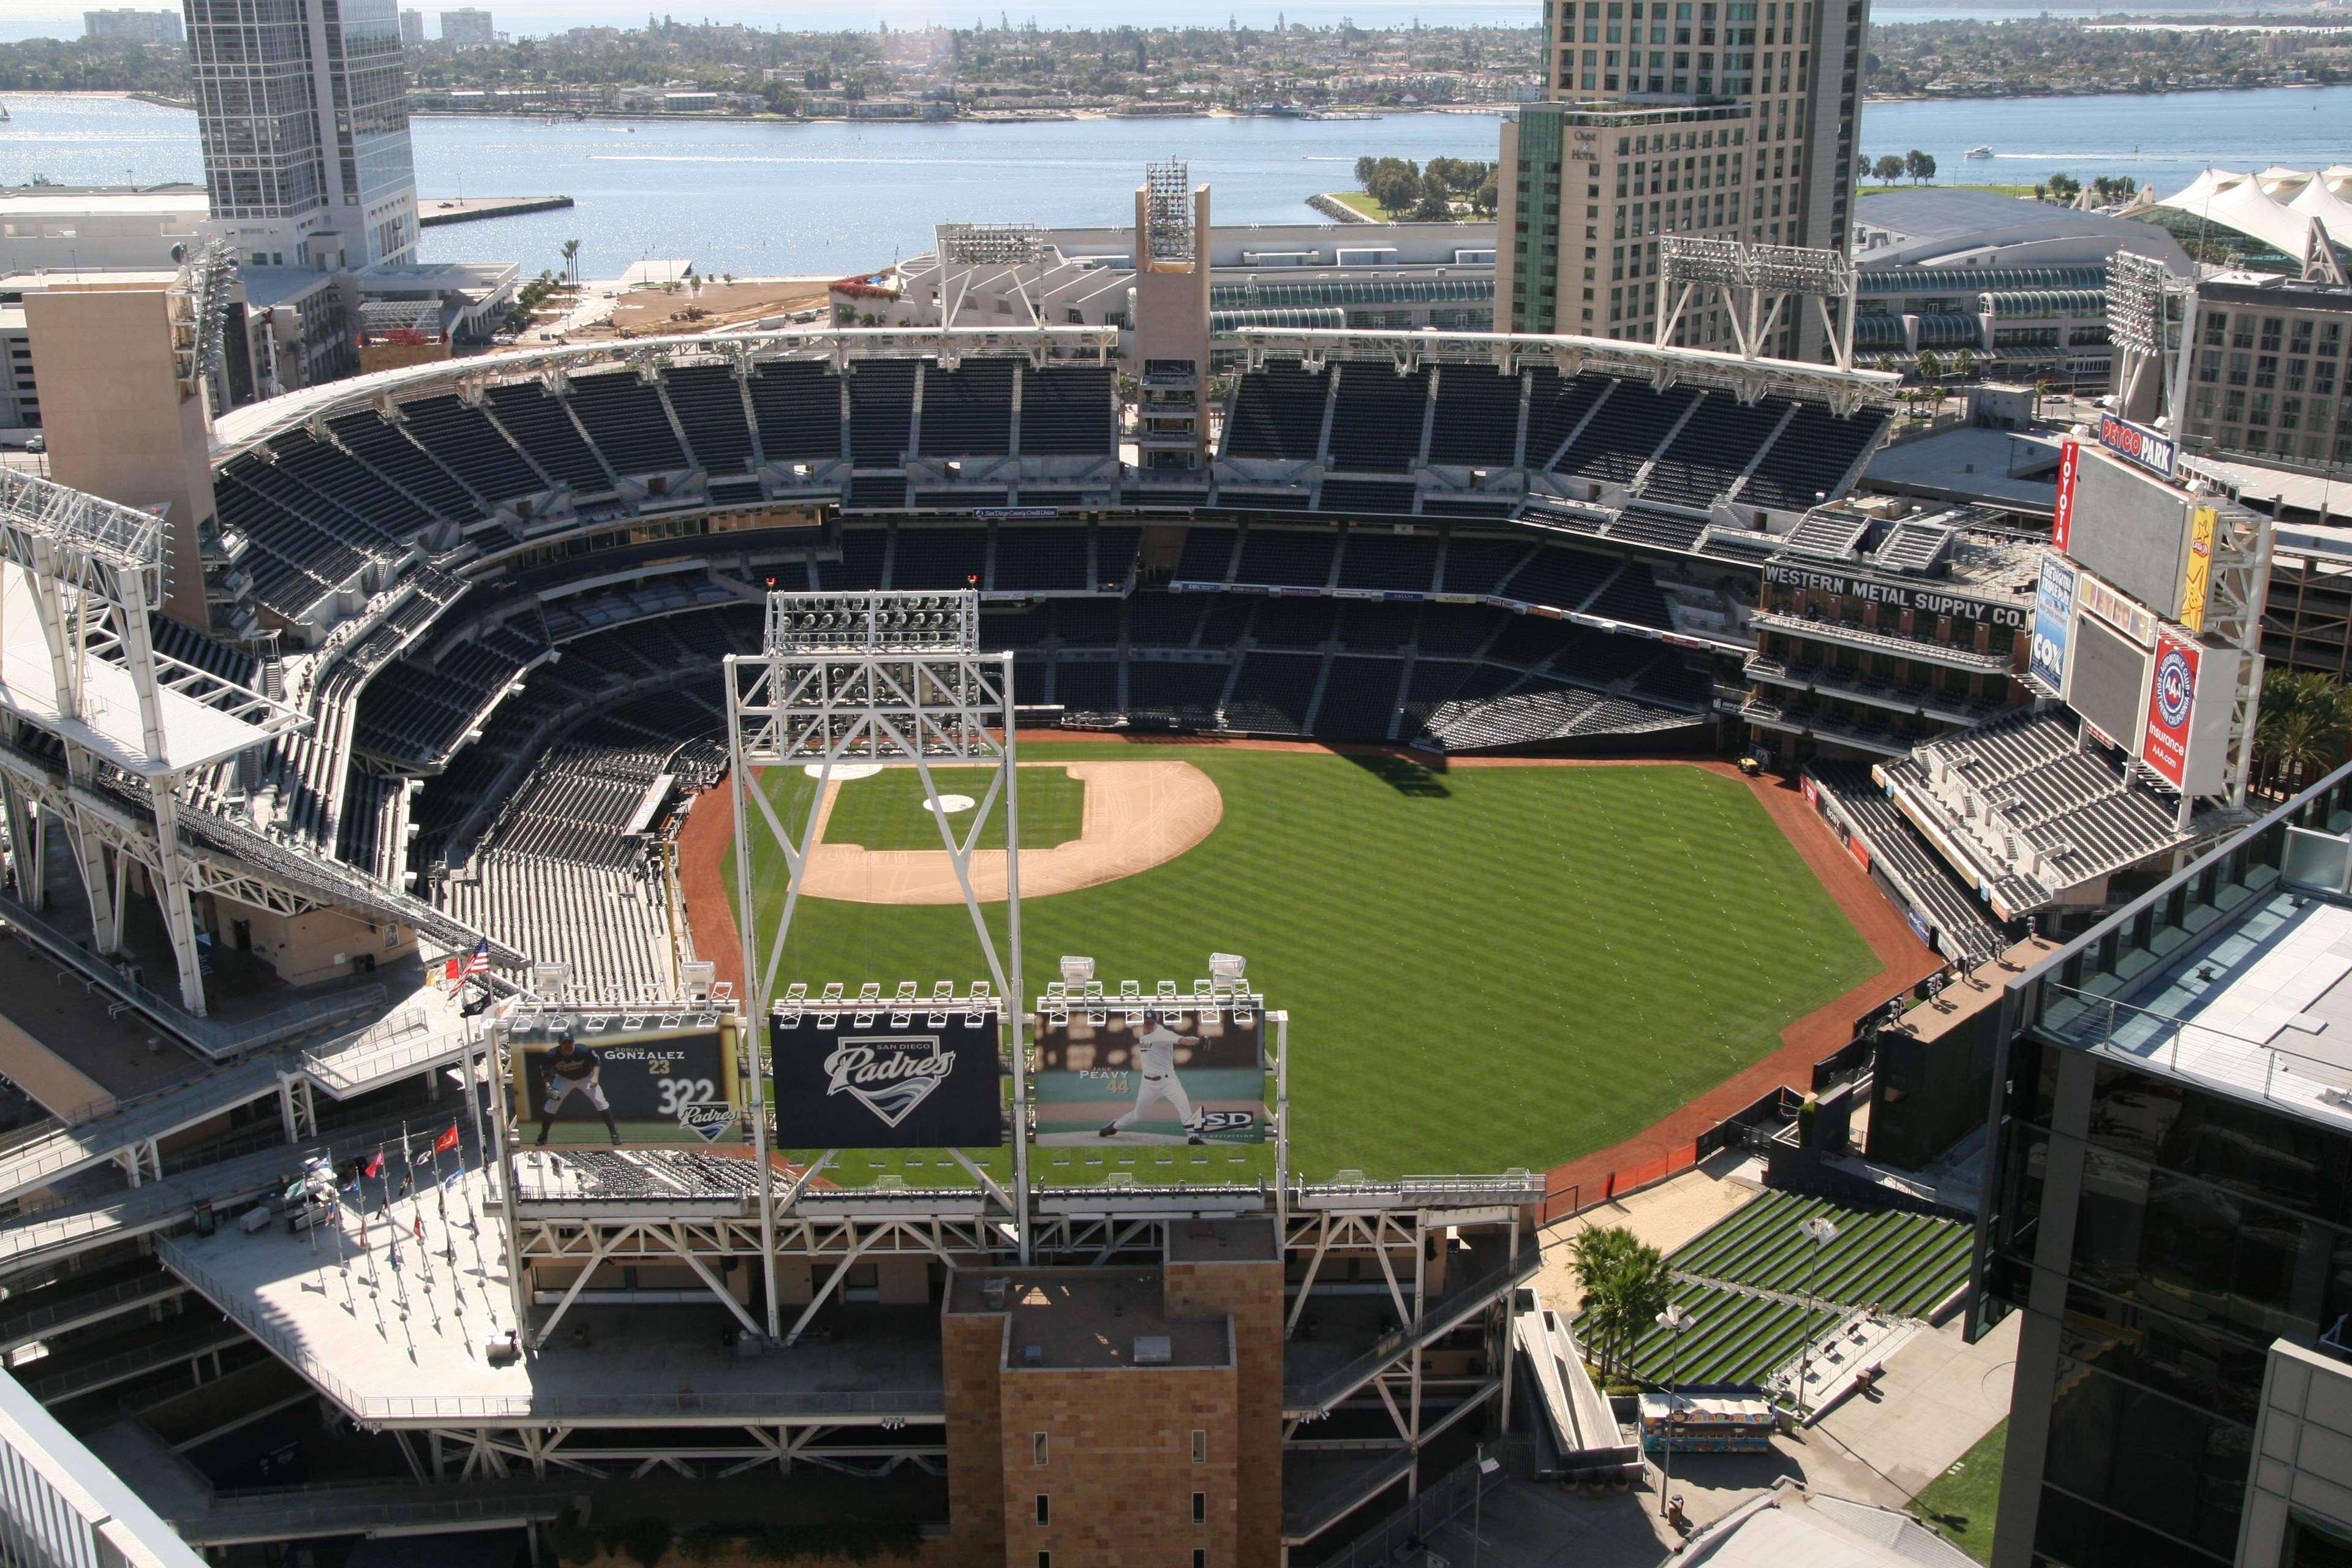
(1045, 1509)
(1200, 1447)
(1037, 1448)
(1045, 1559)
(2272, 326)
(1200, 1557)
(1200, 1508)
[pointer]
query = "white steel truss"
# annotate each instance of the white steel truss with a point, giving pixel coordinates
(90, 574)
(892, 679)
(1754, 283)
(839, 347)
(1745, 378)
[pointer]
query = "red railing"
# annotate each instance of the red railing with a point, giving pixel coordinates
(1568, 1198)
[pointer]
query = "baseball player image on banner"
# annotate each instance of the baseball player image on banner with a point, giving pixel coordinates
(1168, 1074)
(620, 1086)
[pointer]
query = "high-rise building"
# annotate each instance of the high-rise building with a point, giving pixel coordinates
(123, 24)
(1724, 119)
(303, 110)
(412, 29)
(468, 29)
(2167, 1206)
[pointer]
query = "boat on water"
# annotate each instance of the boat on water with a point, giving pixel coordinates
(4, 113)
(1980, 152)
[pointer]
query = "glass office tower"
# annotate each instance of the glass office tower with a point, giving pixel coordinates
(2170, 1205)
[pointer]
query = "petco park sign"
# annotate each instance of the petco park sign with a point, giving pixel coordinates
(1901, 596)
(2150, 450)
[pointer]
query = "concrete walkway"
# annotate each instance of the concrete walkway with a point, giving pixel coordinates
(1664, 1216)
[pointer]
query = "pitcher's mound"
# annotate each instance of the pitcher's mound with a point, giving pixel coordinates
(1137, 815)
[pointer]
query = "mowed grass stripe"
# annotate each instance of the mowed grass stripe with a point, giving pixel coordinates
(886, 811)
(1485, 968)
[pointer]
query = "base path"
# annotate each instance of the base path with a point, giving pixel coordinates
(1137, 815)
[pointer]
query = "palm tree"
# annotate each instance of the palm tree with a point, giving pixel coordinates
(572, 261)
(2305, 720)
(1625, 1284)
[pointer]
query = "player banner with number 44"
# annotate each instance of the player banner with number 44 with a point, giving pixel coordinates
(619, 1085)
(1152, 1072)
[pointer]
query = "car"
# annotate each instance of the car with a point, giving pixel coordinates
(37, 443)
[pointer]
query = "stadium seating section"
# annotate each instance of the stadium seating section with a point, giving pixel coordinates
(490, 734)
(1746, 1281)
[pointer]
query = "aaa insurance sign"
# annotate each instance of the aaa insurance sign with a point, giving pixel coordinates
(2171, 704)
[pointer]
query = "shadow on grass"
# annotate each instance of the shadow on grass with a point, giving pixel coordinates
(1406, 775)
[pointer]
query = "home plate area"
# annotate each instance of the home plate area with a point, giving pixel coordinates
(1082, 824)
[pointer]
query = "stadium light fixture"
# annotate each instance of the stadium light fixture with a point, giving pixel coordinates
(1227, 965)
(1076, 971)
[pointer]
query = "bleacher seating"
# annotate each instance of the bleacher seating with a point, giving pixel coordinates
(1277, 556)
(1376, 558)
(1271, 693)
(1359, 698)
(709, 403)
(1277, 412)
(939, 557)
(1646, 525)
(464, 440)
(881, 411)
(1066, 411)
(968, 411)
(1555, 409)
(1362, 498)
(1184, 694)
(1294, 623)
(387, 451)
(1208, 554)
(1564, 579)
(798, 407)
(1901, 855)
(1477, 424)
(625, 416)
(1376, 417)
(1711, 449)
(541, 425)
(1811, 457)
(1040, 560)
(1624, 432)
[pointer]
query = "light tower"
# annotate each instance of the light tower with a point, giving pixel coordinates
(1170, 355)
(886, 679)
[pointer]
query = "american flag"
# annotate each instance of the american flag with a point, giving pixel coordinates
(479, 963)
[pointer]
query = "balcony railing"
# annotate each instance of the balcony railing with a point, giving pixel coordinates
(1883, 642)
(61, 1507)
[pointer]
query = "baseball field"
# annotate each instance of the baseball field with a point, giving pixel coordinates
(1485, 966)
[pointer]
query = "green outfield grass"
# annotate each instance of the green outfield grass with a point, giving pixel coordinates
(1484, 967)
(886, 811)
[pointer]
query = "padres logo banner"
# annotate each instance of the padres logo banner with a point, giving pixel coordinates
(884, 1079)
(2171, 703)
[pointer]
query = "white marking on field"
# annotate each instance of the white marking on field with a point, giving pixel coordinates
(949, 805)
(844, 771)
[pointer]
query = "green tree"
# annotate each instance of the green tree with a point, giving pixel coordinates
(1964, 364)
(1625, 1286)
(2305, 725)
(1920, 166)
(2065, 188)
(1887, 169)
(572, 261)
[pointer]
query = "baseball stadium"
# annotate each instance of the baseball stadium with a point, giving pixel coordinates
(808, 928)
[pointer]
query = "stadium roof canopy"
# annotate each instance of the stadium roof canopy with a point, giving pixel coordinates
(1977, 230)
(2276, 206)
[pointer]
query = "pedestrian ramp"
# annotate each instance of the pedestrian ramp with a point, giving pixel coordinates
(1577, 1418)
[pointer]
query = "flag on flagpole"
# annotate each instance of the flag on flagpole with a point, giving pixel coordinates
(479, 963)
(375, 1167)
(447, 1141)
(453, 971)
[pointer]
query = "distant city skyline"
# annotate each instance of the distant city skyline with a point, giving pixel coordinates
(522, 17)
